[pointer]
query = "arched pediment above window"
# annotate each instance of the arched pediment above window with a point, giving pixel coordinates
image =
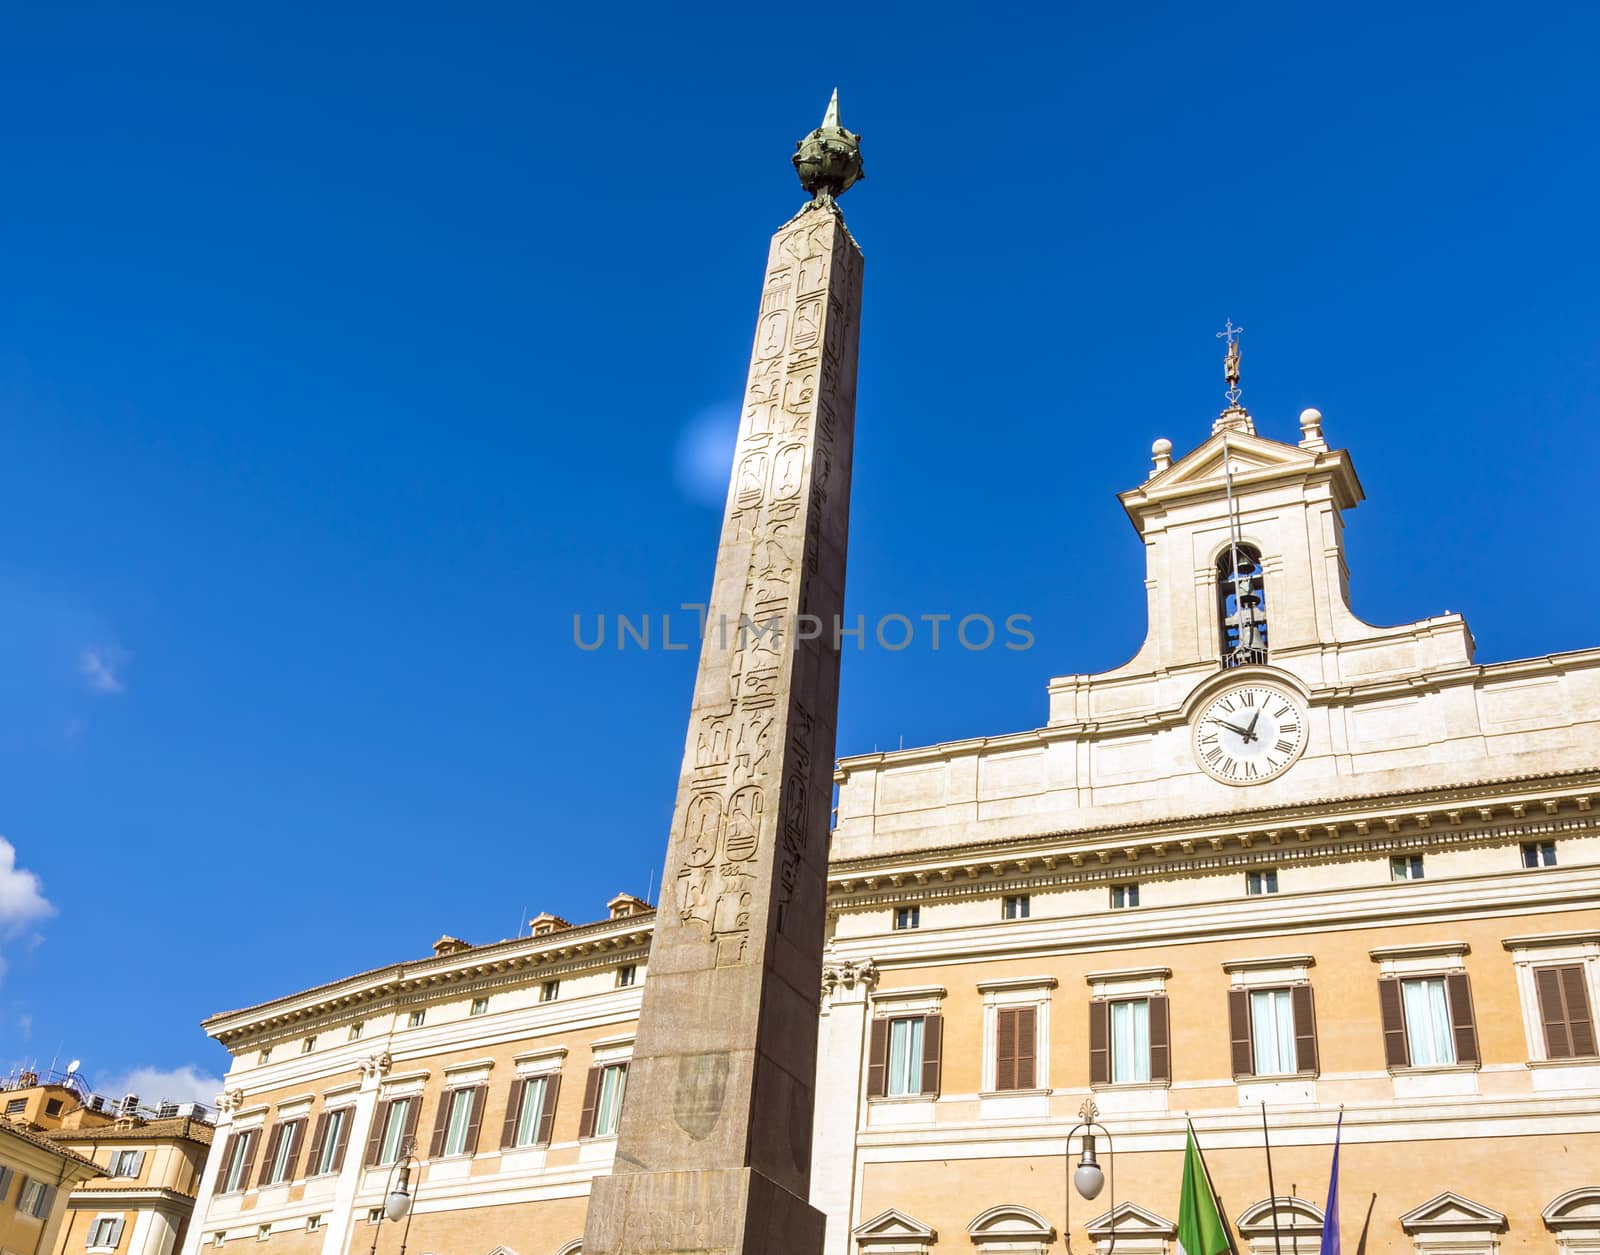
(893, 1232)
(1298, 1230)
(1576, 1209)
(574, 1247)
(1011, 1228)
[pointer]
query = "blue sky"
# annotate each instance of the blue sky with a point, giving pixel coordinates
(346, 353)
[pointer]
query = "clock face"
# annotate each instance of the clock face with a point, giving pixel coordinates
(1249, 734)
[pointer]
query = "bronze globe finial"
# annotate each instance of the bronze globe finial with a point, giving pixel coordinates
(828, 160)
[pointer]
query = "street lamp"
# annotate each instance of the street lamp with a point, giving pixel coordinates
(398, 1198)
(1088, 1178)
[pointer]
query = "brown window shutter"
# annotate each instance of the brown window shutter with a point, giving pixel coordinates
(272, 1153)
(441, 1122)
(932, 1052)
(1461, 1019)
(1099, 1043)
(1396, 1053)
(297, 1131)
(252, 1139)
(1027, 1046)
(380, 1117)
(408, 1139)
(1005, 1048)
(1305, 1028)
(228, 1148)
(1580, 1019)
(1160, 1040)
(508, 1130)
(344, 1138)
(1244, 1055)
(478, 1095)
(319, 1134)
(1552, 1013)
(878, 1060)
(547, 1117)
(591, 1099)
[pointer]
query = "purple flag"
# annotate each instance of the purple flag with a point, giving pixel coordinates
(1330, 1213)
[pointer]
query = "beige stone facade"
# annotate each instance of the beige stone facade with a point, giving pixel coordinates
(1390, 907)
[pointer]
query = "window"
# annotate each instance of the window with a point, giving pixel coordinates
(218, 1238)
(399, 1123)
(236, 1161)
(1405, 867)
(374, 1215)
(313, 1223)
(549, 991)
(1564, 1012)
(456, 1132)
(1427, 1009)
(1273, 1030)
(53, 1107)
(1538, 853)
(1130, 1042)
(626, 975)
(104, 1233)
(1256, 883)
(1123, 896)
(415, 1019)
(1241, 606)
(905, 1057)
(34, 1198)
(283, 1148)
(333, 1131)
(16, 1106)
(1016, 906)
(308, 1045)
(481, 1005)
(606, 1085)
(126, 1163)
(907, 917)
(264, 1055)
(532, 1124)
(263, 1232)
(1016, 1038)
(1272, 1033)
(355, 1030)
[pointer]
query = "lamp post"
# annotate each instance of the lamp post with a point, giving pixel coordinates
(1088, 1178)
(397, 1198)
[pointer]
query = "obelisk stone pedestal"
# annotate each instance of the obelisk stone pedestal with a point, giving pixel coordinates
(714, 1149)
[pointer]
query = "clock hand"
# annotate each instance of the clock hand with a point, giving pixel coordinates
(1250, 733)
(1233, 728)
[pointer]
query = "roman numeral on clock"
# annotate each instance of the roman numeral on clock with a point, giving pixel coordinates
(1284, 747)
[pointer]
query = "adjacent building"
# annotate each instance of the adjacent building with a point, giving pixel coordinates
(80, 1172)
(1281, 860)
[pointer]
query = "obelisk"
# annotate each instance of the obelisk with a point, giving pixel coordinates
(714, 1148)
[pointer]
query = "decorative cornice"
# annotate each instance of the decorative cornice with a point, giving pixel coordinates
(1536, 941)
(1268, 960)
(1423, 950)
(843, 974)
(1311, 831)
(377, 1064)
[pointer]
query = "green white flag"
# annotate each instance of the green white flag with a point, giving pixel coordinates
(1200, 1228)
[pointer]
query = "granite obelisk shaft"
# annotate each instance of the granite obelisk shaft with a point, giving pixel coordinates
(714, 1150)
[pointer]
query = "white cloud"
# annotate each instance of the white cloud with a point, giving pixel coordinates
(21, 900)
(99, 666)
(158, 1085)
(704, 459)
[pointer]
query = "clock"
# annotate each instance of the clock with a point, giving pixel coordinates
(1249, 733)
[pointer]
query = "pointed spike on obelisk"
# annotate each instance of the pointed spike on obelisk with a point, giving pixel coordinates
(831, 118)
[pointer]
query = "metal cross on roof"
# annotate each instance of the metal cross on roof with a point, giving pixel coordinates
(1230, 368)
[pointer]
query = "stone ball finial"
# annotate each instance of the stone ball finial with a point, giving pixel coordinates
(1161, 453)
(1310, 418)
(828, 160)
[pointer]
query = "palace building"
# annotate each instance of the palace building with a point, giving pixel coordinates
(1280, 857)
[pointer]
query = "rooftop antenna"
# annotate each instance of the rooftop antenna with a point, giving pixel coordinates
(649, 893)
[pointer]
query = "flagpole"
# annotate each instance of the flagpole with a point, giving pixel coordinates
(1272, 1191)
